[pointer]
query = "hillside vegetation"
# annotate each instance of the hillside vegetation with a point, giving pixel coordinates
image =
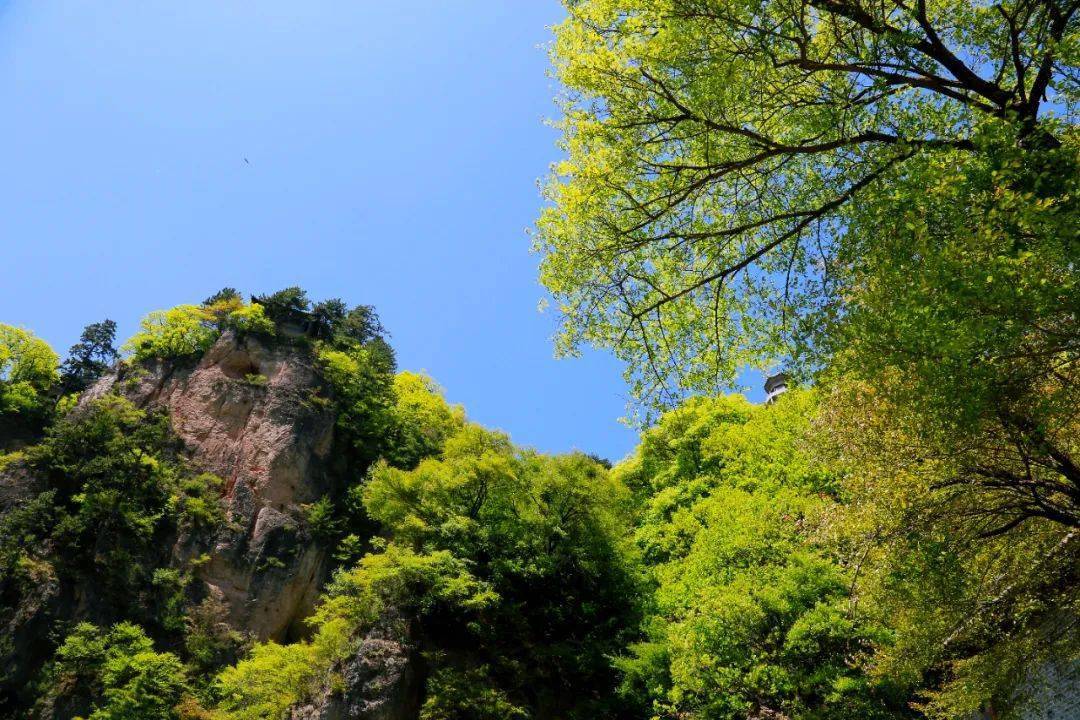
(745, 561)
(248, 513)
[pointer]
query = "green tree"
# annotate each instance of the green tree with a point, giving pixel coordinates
(513, 567)
(182, 332)
(89, 358)
(114, 490)
(752, 614)
(284, 302)
(547, 535)
(187, 331)
(274, 677)
(726, 161)
(978, 585)
(221, 305)
(329, 315)
(28, 369)
(422, 420)
(118, 672)
(884, 196)
(362, 378)
(227, 295)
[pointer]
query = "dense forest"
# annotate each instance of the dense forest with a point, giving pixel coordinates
(247, 511)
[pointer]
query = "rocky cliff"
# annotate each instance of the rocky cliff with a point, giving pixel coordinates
(255, 412)
(380, 681)
(248, 411)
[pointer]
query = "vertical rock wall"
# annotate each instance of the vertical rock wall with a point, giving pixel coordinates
(248, 412)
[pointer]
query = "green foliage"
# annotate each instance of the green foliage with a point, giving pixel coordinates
(725, 160)
(227, 295)
(270, 680)
(752, 613)
(404, 580)
(10, 459)
(322, 518)
(283, 303)
(422, 420)
(256, 379)
(119, 673)
(359, 366)
(897, 543)
(883, 195)
(106, 465)
(251, 318)
(512, 563)
(953, 395)
(973, 605)
(196, 502)
(275, 677)
(89, 358)
(328, 315)
(220, 306)
(362, 378)
(28, 369)
(546, 535)
(209, 640)
(189, 330)
(114, 492)
(181, 332)
(360, 325)
(170, 585)
(455, 694)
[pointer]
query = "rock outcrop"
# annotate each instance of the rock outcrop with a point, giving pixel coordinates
(252, 413)
(379, 682)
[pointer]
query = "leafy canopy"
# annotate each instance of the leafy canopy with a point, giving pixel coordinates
(119, 673)
(89, 358)
(113, 491)
(28, 368)
(726, 161)
(752, 614)
(187, 331)
(512, 566)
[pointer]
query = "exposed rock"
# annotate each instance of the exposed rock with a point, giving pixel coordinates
(17, 486)
(378, 682)
(1054, 693)
(246, 412)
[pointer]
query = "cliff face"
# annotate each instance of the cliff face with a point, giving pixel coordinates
(257, 414)
(249, 412)
(380, 681)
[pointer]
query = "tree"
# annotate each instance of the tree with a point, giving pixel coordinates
(328, 316)
(362, 378)
(752, 614)
(334, 321)
(976, 575)
(883, 196)
(118, 672)
(547, 536)
(292, 299)
(187, 331)
(89, 358)
(725, 161)
(224, 295)
(221, 305)
(361, 325)
(422, 420)
(184, 331)
(114, 491)
(513, 567)
(28, 369)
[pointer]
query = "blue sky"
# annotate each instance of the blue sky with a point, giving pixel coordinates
(386, 153)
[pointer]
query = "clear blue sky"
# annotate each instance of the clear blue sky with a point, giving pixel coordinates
(392, 152)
